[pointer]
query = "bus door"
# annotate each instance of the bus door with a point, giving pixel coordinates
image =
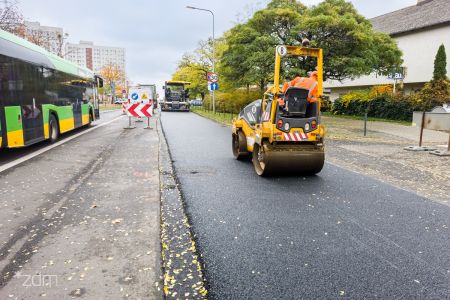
(32, 119)
(77, 116)
(32, 122)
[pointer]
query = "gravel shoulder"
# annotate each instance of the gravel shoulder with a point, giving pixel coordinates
(380, 155)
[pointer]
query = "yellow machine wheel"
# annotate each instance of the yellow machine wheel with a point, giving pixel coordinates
(260, 160)
(239, 144)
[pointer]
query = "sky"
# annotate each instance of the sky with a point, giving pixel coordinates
(155, 33)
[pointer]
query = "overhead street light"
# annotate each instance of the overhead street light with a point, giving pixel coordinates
(213, 49)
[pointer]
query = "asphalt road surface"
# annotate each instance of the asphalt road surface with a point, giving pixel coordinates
(338, 235)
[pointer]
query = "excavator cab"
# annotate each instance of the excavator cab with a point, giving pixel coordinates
(288, 136)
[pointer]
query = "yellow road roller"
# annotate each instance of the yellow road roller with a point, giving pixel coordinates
(282, 132)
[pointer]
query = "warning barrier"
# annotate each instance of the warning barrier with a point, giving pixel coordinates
(139, 110)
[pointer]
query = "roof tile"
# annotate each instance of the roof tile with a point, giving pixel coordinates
(425, 14)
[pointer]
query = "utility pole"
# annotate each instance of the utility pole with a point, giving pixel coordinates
(213, 49)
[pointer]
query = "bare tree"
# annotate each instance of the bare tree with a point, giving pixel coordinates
(60, 44)
(11, 18)
(38, 37)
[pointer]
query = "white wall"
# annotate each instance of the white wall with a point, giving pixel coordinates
(419, 51)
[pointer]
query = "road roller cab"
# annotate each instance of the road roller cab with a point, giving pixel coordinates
(282, 133)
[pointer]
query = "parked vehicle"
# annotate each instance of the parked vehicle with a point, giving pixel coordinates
(196, 102)
(120, 101)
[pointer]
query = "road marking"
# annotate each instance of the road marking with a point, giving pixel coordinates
(43, 150)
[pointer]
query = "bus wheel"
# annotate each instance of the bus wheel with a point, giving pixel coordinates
(53, 128)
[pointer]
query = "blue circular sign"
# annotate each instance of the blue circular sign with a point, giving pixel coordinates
(134, 96)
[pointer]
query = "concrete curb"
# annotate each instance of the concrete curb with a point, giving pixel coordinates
(181, 266)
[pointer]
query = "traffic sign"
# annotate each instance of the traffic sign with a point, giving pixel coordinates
(282, 50)
(140, 110)
(213, 77)
(214, 86)
(135, 96)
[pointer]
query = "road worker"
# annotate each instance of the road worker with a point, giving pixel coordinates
(308, 83)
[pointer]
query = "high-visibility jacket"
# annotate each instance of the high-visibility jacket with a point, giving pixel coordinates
(309, 84)
(292, 83)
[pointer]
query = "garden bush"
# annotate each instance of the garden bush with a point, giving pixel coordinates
(380, 103)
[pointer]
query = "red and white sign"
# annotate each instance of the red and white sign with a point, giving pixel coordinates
(212, 77)
(143, 110)
(295, 137)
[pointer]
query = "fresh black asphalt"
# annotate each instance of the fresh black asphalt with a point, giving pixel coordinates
(338, 235)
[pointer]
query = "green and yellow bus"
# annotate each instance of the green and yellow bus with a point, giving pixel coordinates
(41, 94)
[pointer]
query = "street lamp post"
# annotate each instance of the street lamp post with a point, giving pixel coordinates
(213, 50)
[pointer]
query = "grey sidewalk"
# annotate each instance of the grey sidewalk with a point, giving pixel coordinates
(100, 238)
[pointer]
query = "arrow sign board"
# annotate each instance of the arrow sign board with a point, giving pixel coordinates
(213, 77)
(214, 86)
(143, 110)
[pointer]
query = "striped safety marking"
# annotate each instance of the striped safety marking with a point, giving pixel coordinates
(295, 137)
(266, 116)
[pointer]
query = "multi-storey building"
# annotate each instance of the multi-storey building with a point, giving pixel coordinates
(51, 38)
(95, 57)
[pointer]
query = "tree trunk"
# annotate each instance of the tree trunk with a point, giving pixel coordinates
(262, 85)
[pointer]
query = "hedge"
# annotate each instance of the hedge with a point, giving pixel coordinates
(382, 106)
(387, 106)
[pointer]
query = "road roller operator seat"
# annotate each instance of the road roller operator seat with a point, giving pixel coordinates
(296, 102)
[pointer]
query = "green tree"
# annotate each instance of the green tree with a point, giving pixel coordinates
(351, 47)
(440, 65)
(195, 66)
(194, 75)
(249, 58)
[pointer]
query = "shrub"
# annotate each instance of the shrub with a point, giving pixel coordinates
(377, 102)
(325, 104)
(232, 101)
(435, 93)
